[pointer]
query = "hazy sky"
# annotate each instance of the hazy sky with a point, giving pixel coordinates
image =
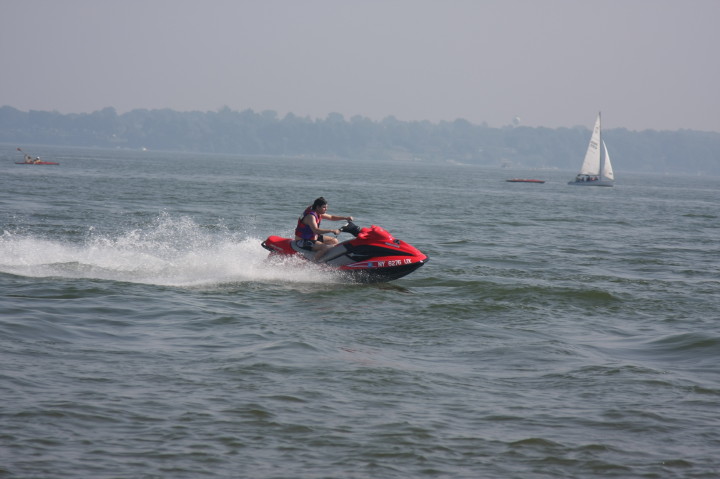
(647, 64)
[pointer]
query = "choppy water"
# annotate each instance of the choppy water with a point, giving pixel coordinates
(557, 331)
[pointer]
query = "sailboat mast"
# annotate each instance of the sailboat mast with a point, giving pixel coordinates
(600, 144)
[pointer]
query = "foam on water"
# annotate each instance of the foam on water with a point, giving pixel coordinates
(168, 252)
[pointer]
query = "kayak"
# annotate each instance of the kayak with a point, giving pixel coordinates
(29, 160)
(523, 180)
(38, 163)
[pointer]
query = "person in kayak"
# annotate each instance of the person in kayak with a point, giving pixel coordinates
(308, 230)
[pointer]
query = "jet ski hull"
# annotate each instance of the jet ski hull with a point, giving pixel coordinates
(373, 256)
(381, 274)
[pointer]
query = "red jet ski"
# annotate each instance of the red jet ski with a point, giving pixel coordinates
(373, 256)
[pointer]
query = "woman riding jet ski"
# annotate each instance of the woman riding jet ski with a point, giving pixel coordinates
(372, 256)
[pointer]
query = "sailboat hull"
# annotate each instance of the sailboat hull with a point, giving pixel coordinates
(591, 183)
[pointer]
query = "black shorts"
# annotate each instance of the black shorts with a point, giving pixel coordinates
(306, 244)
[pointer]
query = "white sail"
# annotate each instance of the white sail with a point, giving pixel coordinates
(607, 170)
(591, 165)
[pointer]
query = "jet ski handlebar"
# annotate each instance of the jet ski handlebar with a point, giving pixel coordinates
(351, 228)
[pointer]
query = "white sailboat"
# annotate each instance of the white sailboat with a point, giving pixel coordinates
(596, 169)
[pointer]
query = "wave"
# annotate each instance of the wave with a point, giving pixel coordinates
(168, 251)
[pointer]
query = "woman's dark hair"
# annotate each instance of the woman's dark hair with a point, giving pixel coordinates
(319, 202)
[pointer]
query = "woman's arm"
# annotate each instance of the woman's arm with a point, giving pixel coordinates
(336, 218)
(312, 223)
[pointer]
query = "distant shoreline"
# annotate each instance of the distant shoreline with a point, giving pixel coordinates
(264, 134)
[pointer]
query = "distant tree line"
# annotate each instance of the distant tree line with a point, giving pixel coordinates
(251, 133)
